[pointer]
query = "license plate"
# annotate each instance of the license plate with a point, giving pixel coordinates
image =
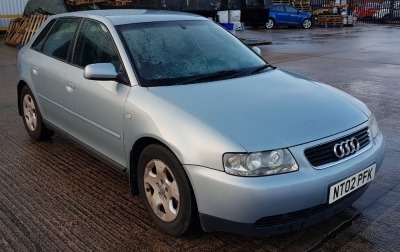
(352, 183)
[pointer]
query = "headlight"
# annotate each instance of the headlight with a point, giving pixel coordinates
(260, 163)
(373, 125)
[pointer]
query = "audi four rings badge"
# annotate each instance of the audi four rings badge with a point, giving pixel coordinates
(346, 148)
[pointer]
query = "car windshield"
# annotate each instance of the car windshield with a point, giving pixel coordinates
(184, 52)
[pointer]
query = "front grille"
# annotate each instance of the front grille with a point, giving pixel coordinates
(323, 154)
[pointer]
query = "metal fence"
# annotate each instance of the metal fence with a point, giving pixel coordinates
(377, 11)
(368, 11)
(372, 11)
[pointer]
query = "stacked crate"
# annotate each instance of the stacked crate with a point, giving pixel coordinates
(281, 1)
(329, 21)
(22, 29)
(303, 5)
(111, 3)
(81, 2)
(120, 3)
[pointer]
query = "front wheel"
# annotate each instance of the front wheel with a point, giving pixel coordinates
(165, 190)
(32, 117)
(270, 24)
(387, 19)
(307, 23)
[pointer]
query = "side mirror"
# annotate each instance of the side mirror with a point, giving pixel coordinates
(257, 50)
(103, 72)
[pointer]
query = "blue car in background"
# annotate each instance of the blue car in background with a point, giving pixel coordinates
(287, 15)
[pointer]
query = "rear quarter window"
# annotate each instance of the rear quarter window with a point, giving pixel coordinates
(38, 43)
(59, 38)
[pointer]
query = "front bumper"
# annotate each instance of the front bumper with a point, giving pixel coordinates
(245, 205)
(282, 223)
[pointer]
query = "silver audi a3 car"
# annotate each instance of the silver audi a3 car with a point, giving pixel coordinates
(207, 131)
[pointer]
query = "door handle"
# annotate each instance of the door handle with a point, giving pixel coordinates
(70, 86)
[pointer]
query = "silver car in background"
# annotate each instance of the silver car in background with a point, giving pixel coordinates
(205, 129)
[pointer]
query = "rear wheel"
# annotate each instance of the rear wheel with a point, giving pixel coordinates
(270, 24)
(32, 117)
(307, 23)
(166, 191)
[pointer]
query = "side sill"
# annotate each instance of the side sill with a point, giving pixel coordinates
(86, 148)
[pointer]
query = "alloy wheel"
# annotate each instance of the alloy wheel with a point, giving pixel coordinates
(269, 24)
(162, 190)
(306, 23)
(29, 112)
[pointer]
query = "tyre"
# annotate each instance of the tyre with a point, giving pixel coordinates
(32, 118)
(270, 24)
(307, 23)
(254, 25)
(166, 191)
(387, 19)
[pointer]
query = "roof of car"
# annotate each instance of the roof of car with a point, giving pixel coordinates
(126, 16)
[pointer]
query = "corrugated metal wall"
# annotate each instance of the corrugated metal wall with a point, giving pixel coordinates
(11, 7)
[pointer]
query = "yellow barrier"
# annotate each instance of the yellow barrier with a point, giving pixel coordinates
(8, 16)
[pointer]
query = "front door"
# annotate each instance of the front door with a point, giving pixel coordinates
(95, 108)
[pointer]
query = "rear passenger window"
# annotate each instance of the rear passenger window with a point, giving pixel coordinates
(59, 39)
(95, 45)
(38, 44)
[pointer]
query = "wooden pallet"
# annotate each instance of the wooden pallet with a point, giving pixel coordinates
(81, 2)
(12, 28)
(302, 2)
(121, 2)
(329, 21)
(21, 30)
(281, 1)
(304, 8)
(117, 3)
(8, 16)
(320, 12)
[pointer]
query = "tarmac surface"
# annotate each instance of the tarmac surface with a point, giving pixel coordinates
(56, 197)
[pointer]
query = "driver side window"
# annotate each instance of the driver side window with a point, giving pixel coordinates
(291, 9)
(95, 45)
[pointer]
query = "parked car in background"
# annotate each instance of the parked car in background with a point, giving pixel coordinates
(205, 128)
(287, 15)
(367, 10)
(387, 13)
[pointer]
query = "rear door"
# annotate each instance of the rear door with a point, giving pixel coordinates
(47, 68)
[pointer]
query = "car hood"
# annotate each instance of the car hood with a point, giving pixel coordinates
(266, 111)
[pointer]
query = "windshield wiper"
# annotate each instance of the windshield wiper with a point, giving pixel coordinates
(226, 73)
(255, 70)
(208, 77)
